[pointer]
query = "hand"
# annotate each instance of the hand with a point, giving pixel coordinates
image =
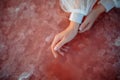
(90, 19)
(64, 37)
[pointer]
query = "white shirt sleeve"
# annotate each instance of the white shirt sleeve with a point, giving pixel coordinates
(76, 17)
(108, 4)
(77, 8)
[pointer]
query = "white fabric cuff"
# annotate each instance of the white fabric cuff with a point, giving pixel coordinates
(76, 17)
(108, 4)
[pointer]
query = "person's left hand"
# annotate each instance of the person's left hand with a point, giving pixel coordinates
(64, 37)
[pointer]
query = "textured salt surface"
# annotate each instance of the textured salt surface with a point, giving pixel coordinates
(27, 28)
(117, 42)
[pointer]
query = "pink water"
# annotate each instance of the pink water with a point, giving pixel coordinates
(27, 28)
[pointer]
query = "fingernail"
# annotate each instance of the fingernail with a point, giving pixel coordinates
(55, 49)
(80, 29)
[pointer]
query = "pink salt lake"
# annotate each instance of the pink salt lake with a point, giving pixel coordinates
(27, 28)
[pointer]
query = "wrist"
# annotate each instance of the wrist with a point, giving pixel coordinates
(74, 25)
(99, 9)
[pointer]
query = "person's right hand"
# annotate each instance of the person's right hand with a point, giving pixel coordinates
(91, 18)
(63, 38)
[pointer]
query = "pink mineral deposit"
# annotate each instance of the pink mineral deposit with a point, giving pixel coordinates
(27, 28)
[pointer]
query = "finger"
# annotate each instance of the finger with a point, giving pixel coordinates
(83, 25)
(54, 53)
(60, 52)
(56, 39)
(87, 27)
(82, 30)
(64, 49)
(60, 44)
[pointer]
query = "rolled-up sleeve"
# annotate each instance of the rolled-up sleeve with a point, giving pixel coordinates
(76, 17)
(108, 4)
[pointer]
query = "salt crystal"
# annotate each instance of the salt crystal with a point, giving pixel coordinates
(49, 38)
(24, 75)
(117, 42)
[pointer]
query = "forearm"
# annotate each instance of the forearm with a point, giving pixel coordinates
(99, 8)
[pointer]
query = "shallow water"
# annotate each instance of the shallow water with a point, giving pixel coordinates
(27, 28)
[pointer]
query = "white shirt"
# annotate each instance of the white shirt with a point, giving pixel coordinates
(77, 8)
(108, 4)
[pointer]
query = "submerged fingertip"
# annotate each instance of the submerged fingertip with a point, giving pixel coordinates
(62, 54)
(80, 29)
